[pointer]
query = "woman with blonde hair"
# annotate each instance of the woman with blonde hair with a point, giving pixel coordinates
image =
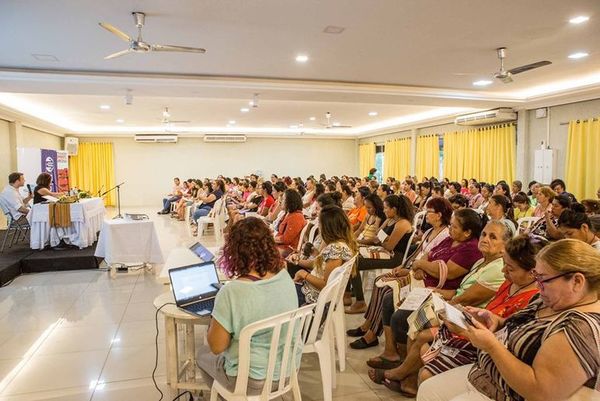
(550, 350)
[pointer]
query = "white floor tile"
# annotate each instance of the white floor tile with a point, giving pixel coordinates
(126, 363)
(137, 389)
(65, 339)
(82, 393)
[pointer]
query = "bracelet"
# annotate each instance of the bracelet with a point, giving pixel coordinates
(306, 275)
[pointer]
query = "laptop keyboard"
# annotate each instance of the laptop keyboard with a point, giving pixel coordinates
(201, 306)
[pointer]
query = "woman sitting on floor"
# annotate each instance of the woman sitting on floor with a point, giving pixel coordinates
(251, 259)
(438, 216)
(393, 237)
(339, 246)
(550, 350)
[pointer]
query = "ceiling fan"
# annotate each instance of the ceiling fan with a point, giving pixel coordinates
(506, 75)
(330, 125)
(138, 45)
(166, 118)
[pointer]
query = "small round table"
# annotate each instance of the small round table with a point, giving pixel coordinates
(183, 377)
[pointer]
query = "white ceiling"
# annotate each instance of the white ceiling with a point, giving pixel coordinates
(408, 60)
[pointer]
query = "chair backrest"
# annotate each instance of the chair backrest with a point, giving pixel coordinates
(418, 219)
(292, 325)
(345, 271)
(408, 244)
(524, 223)
(313, 231)
(7, 213)
(302, 239)
(324, 309)
(216, 208)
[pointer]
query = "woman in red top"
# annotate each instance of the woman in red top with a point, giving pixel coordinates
(514, 294)
(288, 233)
(268, 200)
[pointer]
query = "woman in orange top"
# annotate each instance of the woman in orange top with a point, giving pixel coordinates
(359, 213)
(288, 233)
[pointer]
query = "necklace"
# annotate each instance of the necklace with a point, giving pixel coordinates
(561, 311)
(518, 289)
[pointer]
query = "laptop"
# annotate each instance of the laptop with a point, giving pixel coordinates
(202, 252)
(195, 287)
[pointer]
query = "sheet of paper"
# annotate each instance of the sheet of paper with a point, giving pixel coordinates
(415, 298)
(50, 198)
(381, 235)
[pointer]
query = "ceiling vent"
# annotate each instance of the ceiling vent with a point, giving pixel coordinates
(500, 115)
(156, 138)
(224, 138)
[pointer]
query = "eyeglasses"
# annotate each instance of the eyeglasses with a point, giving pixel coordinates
(537, 277)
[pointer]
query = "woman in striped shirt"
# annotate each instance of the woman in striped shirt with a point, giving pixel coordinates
(548, 351)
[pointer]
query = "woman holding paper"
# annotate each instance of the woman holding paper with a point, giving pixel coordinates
(548, 351)
(42, 188)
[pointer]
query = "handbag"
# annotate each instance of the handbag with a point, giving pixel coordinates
(374, 252)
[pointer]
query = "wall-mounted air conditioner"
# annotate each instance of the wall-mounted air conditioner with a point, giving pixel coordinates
(224, 138)
(156, 138)
(500, 115)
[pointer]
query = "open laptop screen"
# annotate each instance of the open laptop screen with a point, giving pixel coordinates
(194, 282)
(201, 251)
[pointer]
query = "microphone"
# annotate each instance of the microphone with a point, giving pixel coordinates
(29, 189)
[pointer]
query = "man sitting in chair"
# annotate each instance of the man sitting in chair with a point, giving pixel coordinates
(12, 199)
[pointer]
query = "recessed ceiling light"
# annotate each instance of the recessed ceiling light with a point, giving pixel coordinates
(44, 57)
(579, 19)
(105, 107)
(302, 58)
(231, 122)
(120, 120)
(333, 29)
(483, 82)
(373, 113)
(578, 55)
(244, 109)
(312, 118)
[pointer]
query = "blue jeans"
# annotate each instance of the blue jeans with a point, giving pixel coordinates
(167, 202)
(201, 212)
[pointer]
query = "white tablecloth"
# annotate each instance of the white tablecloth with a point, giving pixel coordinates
(87, 216)
(129, 241)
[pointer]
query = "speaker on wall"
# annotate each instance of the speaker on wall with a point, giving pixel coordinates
(71, 145)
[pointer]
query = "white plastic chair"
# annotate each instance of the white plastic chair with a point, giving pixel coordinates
(293, 326)
(418, 219)
(204, 221)
(525, 223)
(320, 338)
(301, 240)
(339, 320)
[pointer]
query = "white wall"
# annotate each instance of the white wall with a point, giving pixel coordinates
(32, 138)
(148, 168)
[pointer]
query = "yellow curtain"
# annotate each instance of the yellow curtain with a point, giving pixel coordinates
(486, 154)
(93, 169)
(428, 157)
(366, 158)
(582, 174)
(396, 158)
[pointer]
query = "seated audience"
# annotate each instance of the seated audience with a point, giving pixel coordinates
(11, 197)
(592, 206)
(487, 191)
(502, 189)
(42, 188)
(545, 196)
(268, 200)
(251, 259)
(515, 188)
(424, 195)
(396, 232)
(208, 201)
(347, 198)
(458, 201)
(464, 187)
(522, 206)
(408, 188)
(559, 187)
(577, 225)
(476, 289)
(438, 216)
(475, 197)
(358, 214)
(338, 247)
(279, 189)
(309, 197)
(550, 350)
(311, 211)
(500, 209)
(174, 196)
(288, 231)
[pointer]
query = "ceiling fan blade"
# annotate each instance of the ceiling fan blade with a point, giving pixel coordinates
(117, 54)
(523, 68)
(115, 31)
(169, 48)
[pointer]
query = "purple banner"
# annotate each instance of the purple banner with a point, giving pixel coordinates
(49, 165)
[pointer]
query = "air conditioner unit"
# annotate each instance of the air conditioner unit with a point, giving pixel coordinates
(71, 145)
(225, 138)
(500, 115)
(156, 138)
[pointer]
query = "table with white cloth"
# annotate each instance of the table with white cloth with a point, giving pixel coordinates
(87, 216)
(129, 242)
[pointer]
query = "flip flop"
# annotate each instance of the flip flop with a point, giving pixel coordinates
(378, 375)
(383, 363)
(396, 386)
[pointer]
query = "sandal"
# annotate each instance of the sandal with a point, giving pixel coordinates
(354, 310)
(361, 343)
(381, 362)
(396, 386)
(358, 332)
(377, 376)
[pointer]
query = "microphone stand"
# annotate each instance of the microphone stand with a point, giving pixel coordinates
(118, 188)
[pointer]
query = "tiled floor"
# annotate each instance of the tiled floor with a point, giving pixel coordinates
(81, 336)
